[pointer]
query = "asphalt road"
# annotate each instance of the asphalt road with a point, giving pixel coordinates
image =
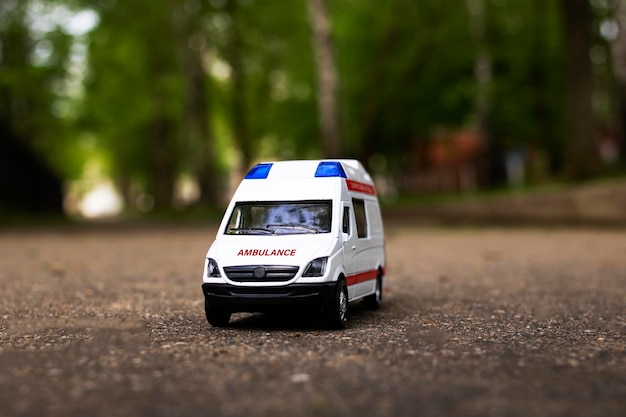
(475, 322)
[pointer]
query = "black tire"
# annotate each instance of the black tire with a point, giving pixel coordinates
(215, 316)
(373, 301)
(337, 309)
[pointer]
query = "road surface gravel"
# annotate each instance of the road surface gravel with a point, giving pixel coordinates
(475, 322)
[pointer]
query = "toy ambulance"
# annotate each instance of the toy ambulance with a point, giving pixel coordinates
(297, 235)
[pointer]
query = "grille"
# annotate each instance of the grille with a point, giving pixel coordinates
(261, 273)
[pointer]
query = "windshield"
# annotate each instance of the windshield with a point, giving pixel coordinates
(280, 218)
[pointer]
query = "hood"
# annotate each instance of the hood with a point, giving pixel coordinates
(271, 250)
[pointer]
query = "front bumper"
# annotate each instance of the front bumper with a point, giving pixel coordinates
(259, 299)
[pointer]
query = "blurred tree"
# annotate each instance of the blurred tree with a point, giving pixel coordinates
(272, 80)
(619, 66)
(546, 135)
(190, 88)
(527, 88)
(172, 88)
(234, 55)
(404, 75)
(483, 73)
(327, 77)
(32, 71)
(199, 143)
(583, 158)
(134, 97)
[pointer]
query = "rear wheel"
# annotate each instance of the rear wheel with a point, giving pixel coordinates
(373, 301)
(337, 309)
(215, 316)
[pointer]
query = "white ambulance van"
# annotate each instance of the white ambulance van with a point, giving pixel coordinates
(297, 235)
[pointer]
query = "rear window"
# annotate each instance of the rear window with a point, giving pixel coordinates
(280, 218)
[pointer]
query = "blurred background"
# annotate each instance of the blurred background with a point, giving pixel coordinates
(132, 107)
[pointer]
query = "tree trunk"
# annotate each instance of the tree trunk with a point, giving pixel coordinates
(494, 165)
(327, 78)
(161, 127)
(199, 141)
(582, 155)
(547, 138)
(237, 78)
(162, 167)
(373, 105)
(619, 71)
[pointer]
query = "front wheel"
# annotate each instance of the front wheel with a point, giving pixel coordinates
(337, 309)
(215, 316)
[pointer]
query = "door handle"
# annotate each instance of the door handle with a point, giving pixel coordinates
(353, 247)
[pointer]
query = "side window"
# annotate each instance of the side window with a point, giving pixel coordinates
(346, 220)
(361, 218)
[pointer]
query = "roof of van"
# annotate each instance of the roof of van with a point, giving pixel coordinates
(302, 178)
(343, 168)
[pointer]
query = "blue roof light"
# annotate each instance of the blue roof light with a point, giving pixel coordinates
(330, 169)
(259, 172)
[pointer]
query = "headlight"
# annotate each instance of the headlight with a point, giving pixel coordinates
(212, 271)
(316, 268)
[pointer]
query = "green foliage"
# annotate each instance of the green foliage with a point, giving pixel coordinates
(33, 73)
(528, 87)
(129, 68)
(406, 70)
(279, 74)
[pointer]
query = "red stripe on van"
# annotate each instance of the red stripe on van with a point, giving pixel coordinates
(360, 187)
(361, 277)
